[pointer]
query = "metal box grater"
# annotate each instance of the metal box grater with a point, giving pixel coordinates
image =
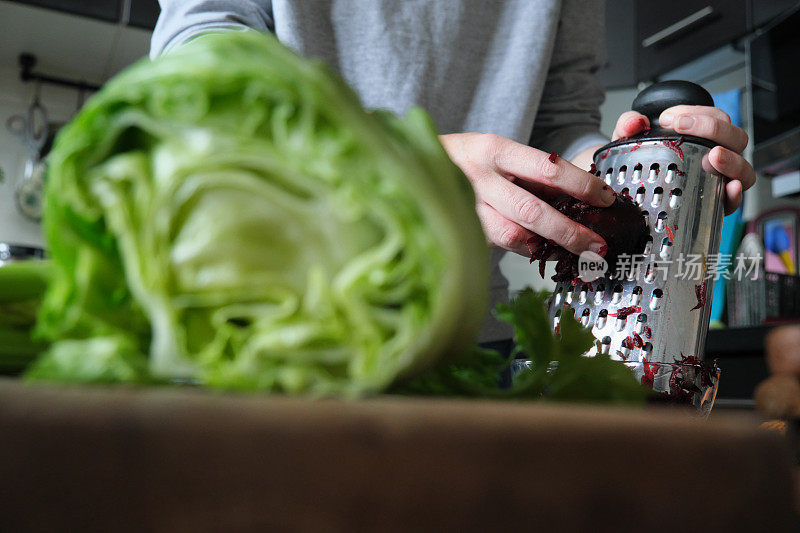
(669, 177)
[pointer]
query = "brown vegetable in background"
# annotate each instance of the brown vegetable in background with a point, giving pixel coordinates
(778, 397)
(782, 350)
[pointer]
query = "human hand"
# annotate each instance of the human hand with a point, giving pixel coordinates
(512, 184)
(710, 123)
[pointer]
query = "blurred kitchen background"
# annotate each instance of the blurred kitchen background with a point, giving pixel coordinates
(745, 52)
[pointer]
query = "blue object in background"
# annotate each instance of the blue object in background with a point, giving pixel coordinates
(777, 241)
(732, 225)
(731, 103)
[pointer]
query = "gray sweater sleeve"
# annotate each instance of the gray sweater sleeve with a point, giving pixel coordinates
(568, 118)
(182, 20)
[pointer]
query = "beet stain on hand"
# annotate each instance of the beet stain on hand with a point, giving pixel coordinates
(621, 225)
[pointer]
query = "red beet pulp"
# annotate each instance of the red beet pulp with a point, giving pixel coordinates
(700, 292)
(621, 225)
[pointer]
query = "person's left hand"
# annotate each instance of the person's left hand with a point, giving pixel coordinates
(710, 123)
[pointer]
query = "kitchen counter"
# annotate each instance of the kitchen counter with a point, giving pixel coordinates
(176, 459)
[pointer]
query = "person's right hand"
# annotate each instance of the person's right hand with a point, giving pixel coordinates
(512, 183)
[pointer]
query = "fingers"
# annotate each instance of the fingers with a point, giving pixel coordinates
(534, 214)
(505, 233)
(629, 124)
(733, 196)
(707, 122)
(536, 167)
(511, 216)
(733, 166)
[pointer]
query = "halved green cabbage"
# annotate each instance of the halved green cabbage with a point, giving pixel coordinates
(229, 213)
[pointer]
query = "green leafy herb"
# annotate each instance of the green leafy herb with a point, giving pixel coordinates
(559, 370)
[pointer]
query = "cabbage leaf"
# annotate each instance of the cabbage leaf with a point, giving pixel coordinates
(230, 214)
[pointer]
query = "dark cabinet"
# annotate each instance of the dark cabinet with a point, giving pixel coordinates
(669, 34)
(620, 68)
(107, 10)
(143, 13)
(645, 39)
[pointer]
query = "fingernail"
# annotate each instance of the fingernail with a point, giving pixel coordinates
(685, 123)
(608, 195)
(599, 248)
(666, 119)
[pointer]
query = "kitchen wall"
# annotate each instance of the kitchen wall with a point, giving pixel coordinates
(66, 46)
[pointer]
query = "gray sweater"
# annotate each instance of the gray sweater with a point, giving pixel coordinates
(518, 68)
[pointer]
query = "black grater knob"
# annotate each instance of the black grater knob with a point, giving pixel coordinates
(652, 101)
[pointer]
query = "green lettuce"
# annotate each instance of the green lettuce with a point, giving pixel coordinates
(230, 214)
(22, 285)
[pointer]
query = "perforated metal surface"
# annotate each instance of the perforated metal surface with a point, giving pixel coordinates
(682, 203)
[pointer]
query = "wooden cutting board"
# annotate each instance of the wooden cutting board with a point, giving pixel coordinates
(122, 459)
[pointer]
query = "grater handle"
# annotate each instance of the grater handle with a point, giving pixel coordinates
(653, 100)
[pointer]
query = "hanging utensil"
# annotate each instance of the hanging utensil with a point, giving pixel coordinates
(32, 129)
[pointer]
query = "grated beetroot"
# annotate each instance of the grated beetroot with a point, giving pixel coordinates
(621, 225)
(637, 340)
(700, 292)
(675, 146)
(650, 369)
(625, 312)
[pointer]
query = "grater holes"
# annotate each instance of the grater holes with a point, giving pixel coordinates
(672, 171)
(648, 245)
(617, 296)
(624, 351)
(661, 221)
(585, 317)
(653, 175)
(609, 173)
(557, 320)
(655, 299)
(605, 344)
(650, 273)
(602, 317)
(619, 324)
(638, 327)
(637, 173)
(648, 348)
(675, 197)
(598, 295)
(666, 248)
(646, 215)
(623, 170)
(636, 296)
(625, 192)
(582, 295)
(558, 296)
(640, 192)
(658, 194)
